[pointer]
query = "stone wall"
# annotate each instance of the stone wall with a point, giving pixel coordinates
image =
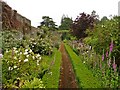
(13, 20)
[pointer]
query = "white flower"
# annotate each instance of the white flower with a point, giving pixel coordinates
(84, 62)
(38, 55)
(40, 58)
(19, 60)
(1, 55)
(25, 53)
(15, 57)
(37, 62)
(7, 51)
(35, 43)
(30, 51)
(20, 53)
(10, 68)
(14, 48)
(16, 51)
(15, 67)
(27, 56)
(26, 60)
(33, 57)
(26, 50)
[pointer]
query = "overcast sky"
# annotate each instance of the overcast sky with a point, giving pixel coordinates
(35, 9)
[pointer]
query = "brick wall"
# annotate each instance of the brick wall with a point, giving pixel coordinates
(13, 20)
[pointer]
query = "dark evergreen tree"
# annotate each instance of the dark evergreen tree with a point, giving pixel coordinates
(48, 22)
(65, 23)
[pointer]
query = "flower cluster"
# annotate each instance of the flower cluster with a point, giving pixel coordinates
(41, 46)
(21, 56)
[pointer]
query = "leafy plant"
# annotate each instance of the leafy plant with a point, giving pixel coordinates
(10, 39)
(35, 83)
(20, 63)
(102, 35)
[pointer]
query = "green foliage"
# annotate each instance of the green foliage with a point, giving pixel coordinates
(104, 19)
(65, 36)
(24, 62)
(51, 78)
(103, 69)
(102, 35)
(20, 63)
(84, 76)
(102, 66)
(65, 23)
(55, 39)
(48, 22)
(35, 83)
(10, 39)
(41, 46)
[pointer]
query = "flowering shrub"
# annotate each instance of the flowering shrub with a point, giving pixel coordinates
(105, 40)
(103, 66)
(19, 65)
(106, 34)
(41, 46)
(10, 39)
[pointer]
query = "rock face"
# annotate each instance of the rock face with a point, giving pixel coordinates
(13, 20)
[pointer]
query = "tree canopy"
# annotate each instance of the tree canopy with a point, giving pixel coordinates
(82, 23)
(48, 22)
(65, 23)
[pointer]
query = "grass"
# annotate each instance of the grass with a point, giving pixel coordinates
(51, 78)
(63, 31)
(84, 76)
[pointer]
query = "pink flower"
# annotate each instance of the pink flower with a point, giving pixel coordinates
(114, 66)
(1, 55)
(103, 57)
(111, 46)
(107, 53)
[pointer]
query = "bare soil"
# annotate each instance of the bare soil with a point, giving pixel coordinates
(67, 76)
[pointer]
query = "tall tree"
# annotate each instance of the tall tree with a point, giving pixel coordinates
(82, 23)
(48, 22)
(104, 19)
(65, 23)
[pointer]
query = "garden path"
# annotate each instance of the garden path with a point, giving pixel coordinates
(67, 76)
